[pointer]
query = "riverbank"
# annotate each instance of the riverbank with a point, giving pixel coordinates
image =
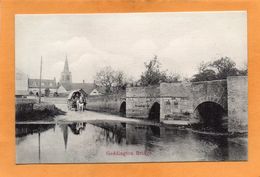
(29, 110)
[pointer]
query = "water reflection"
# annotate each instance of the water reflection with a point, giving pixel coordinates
(77, 128)
(64, 128)
(26, 129)
(112, 132)
(82, 142)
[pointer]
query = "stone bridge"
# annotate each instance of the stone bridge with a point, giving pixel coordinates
(219, 103)
(114, 103)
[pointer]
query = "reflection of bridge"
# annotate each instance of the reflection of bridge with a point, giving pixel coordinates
(219, 103)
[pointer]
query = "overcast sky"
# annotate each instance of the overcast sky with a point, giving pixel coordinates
(125, 41)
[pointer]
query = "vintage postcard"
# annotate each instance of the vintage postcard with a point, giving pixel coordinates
(131, 87)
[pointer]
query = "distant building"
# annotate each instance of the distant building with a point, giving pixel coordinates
(66, 86)
(89, 88)
(66, 77)
(46, 84)
(21, 84)
(97, 91)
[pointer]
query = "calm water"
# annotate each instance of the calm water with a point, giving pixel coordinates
(82, 142)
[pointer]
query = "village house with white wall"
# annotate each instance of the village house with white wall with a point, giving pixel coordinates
(47, 85)
(21, 83)
(27, 86)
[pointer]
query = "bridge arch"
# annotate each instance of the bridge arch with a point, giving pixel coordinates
(211, 115)
(154, 113)
(122, 109)
(215, 99)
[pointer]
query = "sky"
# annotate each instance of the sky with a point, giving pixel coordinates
(124, 41)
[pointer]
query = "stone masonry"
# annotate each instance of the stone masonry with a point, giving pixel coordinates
(180, 100)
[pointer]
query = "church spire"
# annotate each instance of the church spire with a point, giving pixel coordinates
(66, 74)
(66, 65)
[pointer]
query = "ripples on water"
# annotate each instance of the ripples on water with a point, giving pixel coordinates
(82, 142)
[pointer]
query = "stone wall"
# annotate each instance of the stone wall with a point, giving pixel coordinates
(176, 100)
(180, 100)
(106, 103)
(237, 103)
(139, 100)
(213, 91)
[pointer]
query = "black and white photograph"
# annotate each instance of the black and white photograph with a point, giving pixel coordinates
(131, 87)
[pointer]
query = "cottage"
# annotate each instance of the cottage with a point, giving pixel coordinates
(48, 86)
(89, 88)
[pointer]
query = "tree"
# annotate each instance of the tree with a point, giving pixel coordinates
(120, 81)
(153, 75)
(205, 73)
(225, 67)
(111, 79)
(218, 69)
(170, 78)
(243, 71)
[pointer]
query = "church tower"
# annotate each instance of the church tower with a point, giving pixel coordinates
(66, 74)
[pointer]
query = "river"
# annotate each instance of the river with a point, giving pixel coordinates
(91, 137)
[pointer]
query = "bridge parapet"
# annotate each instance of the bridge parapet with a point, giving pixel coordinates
(181, 100)
(139, 100)
(106, 103)
(209, 91)
(175, 100)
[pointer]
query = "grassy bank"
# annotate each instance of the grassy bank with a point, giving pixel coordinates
(37, 112)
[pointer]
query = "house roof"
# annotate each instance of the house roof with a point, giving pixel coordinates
(67, 86)
(87, 87)
(101, 89)
(46, 83)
